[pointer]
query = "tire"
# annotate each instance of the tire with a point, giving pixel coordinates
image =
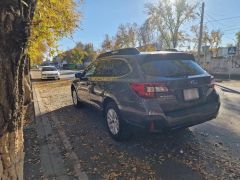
(75, 99)
(118, 129)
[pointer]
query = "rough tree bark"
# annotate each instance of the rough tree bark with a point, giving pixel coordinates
(15, 20)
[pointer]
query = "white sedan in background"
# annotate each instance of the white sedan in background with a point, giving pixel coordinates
(49, 72)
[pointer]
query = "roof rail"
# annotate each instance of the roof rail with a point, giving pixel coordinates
(125, 51)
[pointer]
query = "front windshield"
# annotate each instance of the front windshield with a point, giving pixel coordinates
(49, 69)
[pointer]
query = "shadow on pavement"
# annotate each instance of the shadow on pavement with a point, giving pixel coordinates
(179, 155)
(144, 155)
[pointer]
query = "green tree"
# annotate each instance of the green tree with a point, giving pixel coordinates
(168, 18)
(80, 54)
(90, 51)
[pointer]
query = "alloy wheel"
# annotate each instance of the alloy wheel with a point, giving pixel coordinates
(113, 121)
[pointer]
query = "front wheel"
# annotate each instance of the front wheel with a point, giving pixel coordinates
(75, 99)
(117, 127)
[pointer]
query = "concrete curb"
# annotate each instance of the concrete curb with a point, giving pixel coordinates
(51, 162)
(228, 89)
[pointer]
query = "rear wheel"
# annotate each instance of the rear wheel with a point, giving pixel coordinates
(75, 99)
(117, 127)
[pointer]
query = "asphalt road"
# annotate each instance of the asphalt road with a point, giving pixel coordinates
(64, 74)
(207, 151)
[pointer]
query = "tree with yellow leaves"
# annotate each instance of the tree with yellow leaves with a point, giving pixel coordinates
(52, 21)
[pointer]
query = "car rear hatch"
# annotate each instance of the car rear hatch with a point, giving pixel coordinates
(177, 83)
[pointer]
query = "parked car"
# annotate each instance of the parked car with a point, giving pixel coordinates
(49, 72)
(157, 91)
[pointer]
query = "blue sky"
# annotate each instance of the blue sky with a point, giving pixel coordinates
(104, 17)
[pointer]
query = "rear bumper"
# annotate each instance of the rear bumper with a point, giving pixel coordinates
(175, 120)
(190, 117)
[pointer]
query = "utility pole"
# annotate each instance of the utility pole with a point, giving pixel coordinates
(201, 32)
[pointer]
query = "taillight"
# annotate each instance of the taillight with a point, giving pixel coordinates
(148, 89)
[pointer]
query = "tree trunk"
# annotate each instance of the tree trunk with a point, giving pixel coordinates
(15, 94)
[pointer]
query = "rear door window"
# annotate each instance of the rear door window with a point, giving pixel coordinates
(171, 68)
(112, 68)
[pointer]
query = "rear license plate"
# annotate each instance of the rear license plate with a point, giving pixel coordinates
(191, 94)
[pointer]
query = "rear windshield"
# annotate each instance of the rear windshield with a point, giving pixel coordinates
(171, 68)
(49, 69)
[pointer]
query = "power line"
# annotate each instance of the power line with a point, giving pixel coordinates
(230, 28)
(223, 19)
(229, 38)
(233, 34)
(215, 20)
(233, 29)
(235, 26)
(208, 18)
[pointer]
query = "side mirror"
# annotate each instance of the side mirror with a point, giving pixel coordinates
(79, 75)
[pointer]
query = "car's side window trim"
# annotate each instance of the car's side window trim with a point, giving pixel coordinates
(89, 68)
(113, 59)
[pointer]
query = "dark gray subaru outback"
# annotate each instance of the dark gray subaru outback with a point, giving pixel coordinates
(157, 91)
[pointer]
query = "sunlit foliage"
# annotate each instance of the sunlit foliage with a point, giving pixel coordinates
(53, 20)
(80, 54)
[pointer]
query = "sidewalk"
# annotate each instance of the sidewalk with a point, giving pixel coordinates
(50, 162)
